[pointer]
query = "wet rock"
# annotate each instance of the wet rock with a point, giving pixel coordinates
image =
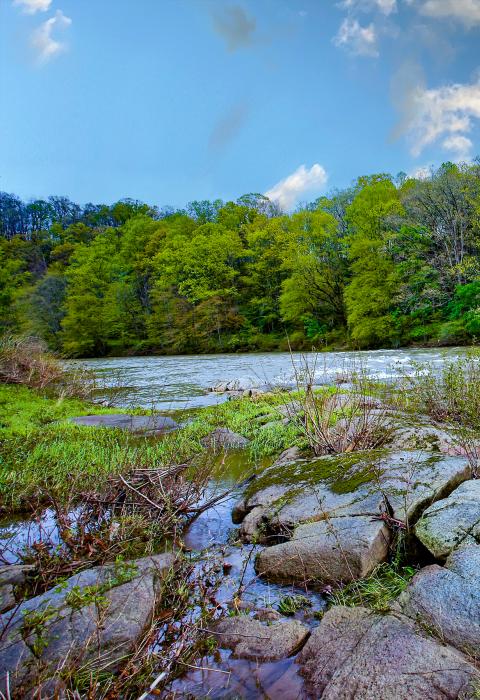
(222, 438)
(289, 410)
(10, 578)
(96, 617)
(257, 641)
(267, 615)
(328, 551)
(452, 521)
(147, 425)
(357, 655)
(446, 599)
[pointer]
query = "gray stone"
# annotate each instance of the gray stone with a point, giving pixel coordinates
(69, 624)
(327, 551)
(357, 485)
(452, 521)
(258, 641)
(288, 456)
(357, 655)
(311, 503)
(147, 425)
(222, 438)
(446, 600)
(10, 578)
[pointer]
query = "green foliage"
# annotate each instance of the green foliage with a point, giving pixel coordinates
(382, 263)
(378, 590)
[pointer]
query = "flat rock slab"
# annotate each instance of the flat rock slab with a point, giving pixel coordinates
(452, 521)
(222, 438)
(357, 655)
(346, 485)
(148, 425)
(446, 599)
(327, 551)
(254, 640)
(96, 617)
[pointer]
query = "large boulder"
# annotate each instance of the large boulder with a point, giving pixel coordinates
(259, 641)
(357, 655)
(323, 518)
(452, 521)
(446, 599)
(146, 425)
(95, 617)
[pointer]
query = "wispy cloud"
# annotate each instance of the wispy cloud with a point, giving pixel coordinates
(466, 11)
(446, 113)
(304, 180)
(30, 7)
(227, 128)
(357, 40)
(46, 46)
(234, 26)
(386, 7)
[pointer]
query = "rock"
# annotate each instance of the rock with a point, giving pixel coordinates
(452, 521)
(96, 617)
(288, 456)
(446, 599)
(328, 551)
(254, 640)
(352, 484)
(309, 502)
(11, 577)
(222, 438)
(267, 615)
(357, 655)
(147, 425)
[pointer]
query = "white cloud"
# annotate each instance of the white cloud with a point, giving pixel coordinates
(358, 40)
(423, 172)
(386, 7)
(42, 40)
(446, 112)
(466, 11)
(460, 145)
(289, 190)
(30, 7)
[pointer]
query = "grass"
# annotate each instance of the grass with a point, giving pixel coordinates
(42, 452)
(378, 590)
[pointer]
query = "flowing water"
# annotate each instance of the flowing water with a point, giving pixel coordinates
(178, 382)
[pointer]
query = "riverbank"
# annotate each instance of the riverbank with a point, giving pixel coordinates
(333, 495)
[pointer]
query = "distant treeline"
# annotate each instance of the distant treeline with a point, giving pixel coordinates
(386, 262)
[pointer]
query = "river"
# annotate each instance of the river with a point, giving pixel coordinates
(182, 381)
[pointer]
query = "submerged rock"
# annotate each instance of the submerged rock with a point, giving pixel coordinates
(95, 617)
(257, 641)
(446, 600)
(222, 438)
(452, 521)
(355, 654)
(328, 509)
(147, 425)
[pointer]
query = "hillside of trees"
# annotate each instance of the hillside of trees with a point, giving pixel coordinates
(386, 262)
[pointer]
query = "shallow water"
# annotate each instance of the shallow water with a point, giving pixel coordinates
(183, 381)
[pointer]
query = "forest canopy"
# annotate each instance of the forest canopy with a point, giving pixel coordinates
(386, 262)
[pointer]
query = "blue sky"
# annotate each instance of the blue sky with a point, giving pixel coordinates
(173, 100)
